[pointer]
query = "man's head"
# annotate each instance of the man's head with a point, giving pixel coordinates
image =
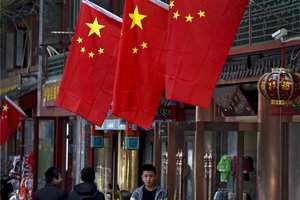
(53, 175)
(149, 176)
(88, 175)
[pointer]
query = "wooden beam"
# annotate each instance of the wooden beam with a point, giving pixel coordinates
(240, 165)
(171, 169)
(199, 163)
(157, 152)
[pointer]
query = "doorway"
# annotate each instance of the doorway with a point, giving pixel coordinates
(202, 145)
(47, 138)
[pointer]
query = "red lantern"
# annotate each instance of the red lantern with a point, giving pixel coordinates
(281, 86)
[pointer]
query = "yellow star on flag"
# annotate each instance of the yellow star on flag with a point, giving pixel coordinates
(82, 50)
(176, 15)
(201, 13)
(79, 40)
(95, 27)
(5, 107)
(189, 18)
(91, 54)
(144, 45)
(134, 50)
(101, 51)
(171, 4)
(136, 18)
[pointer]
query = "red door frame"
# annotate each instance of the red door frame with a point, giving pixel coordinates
(58, 146)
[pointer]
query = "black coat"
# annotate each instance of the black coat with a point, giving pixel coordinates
(6, 187)
(50, 192)
(87, 190)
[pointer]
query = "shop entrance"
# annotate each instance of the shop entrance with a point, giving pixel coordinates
(191, 153)
(48, 139)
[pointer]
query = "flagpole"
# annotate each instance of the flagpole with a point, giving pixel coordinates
(15, 105)
(40, 59)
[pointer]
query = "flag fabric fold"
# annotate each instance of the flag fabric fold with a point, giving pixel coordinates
(200, 34)
(139, 79)
(88, 79)
(11, 115)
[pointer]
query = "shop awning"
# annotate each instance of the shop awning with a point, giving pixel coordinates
(25, 94)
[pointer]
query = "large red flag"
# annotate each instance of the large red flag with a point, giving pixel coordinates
(140, 74)
(10, 118)
(88, 80)
(200, 34)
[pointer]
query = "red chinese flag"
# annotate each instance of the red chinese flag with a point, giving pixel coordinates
(10, 118)
(140, 74)
(88, 80)
(200, 34)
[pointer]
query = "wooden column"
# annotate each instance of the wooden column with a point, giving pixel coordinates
(202, 114)
(199, 162)
(171, 160)
(269, 155)
(157, 152)
(240, 167)
(205, 114)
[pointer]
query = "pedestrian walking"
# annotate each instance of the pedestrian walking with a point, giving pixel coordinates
(87, 190)
(51, 191)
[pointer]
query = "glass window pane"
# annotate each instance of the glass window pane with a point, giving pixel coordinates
(103, 166)
(293, 148)
(189, 171)
(250, 158)
(28, 136)
(224, 147)
(46, 149)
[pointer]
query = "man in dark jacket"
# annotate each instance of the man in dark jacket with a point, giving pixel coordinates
(87, 189)
(51, 190)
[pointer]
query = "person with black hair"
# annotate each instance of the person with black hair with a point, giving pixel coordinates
(87, 189)
(6, 187)
(51, 191)
(150, 190)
